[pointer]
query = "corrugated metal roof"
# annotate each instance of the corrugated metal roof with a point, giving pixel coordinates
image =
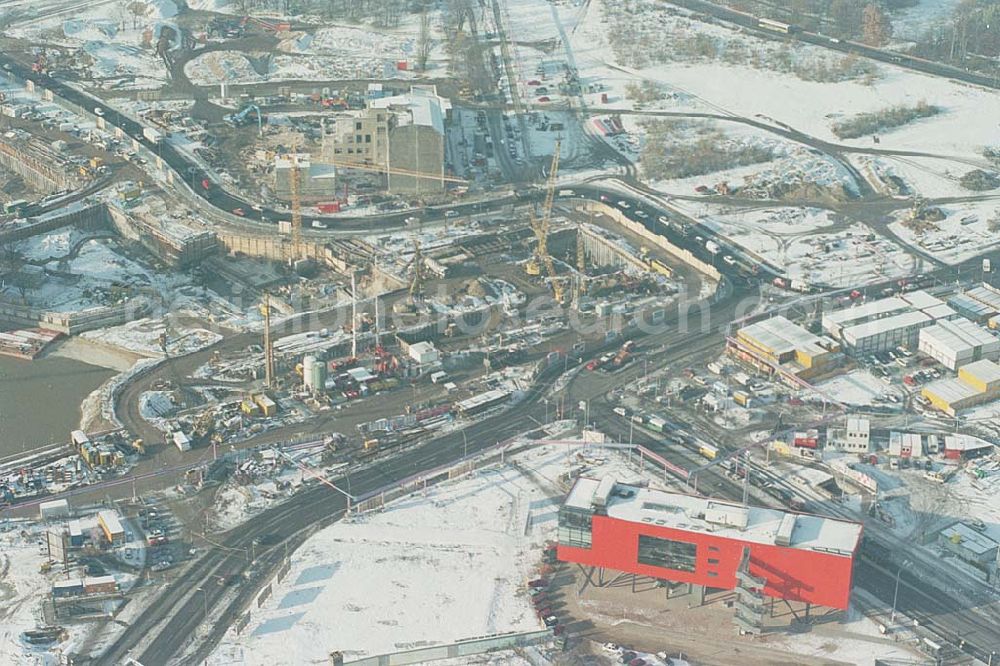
(984, 370)
(950, 390)
(870, 328)
(882, 306)
(958, 335)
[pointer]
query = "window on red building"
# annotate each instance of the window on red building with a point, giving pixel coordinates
(666, 553)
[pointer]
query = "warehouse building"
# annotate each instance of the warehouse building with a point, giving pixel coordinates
(778, 345)
(979, 304)
(886, 333)
(836, 321)
(968, 544)
(977, 383)
(111, 526)
(965, 447)
(707, 542)
(885, 323)
(855, 438)
(956, 342)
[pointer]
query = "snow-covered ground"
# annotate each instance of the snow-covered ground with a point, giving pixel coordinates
(730, 86)
(24, 586)
(437, 566)
(849, 255)
(117, 44)
(859, 387)
(963, 233)
(143, 337)
(913, 22)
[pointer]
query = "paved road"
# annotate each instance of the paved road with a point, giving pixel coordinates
(844, 46)
(179, 609)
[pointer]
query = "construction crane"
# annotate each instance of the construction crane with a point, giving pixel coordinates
(397, 171)
(540, 225)
(417, 265)
(265, 309)
(296, 250)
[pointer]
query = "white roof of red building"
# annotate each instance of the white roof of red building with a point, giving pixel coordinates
(721, 518)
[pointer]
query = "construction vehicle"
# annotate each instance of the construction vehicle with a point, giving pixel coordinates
(242, 117)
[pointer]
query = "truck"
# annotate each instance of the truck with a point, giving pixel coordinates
(182, 441)
(152, 135)
(712, 247)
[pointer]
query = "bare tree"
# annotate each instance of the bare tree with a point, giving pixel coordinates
(875, 26)
(424, 42)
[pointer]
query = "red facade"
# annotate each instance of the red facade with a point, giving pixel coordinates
(823, 579)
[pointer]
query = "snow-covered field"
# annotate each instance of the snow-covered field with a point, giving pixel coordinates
(963, 233)
(845, 256)
(143, 337)
(119, 45)
(437, 566)
(856, 388)
(912, 22)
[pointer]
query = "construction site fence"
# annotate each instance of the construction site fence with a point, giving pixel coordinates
(463, 648)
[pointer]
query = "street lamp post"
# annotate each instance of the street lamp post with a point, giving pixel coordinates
(204, 599)
(895, 594)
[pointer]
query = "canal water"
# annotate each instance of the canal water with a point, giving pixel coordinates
(40, 399)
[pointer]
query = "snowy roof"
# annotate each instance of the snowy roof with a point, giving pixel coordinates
(422, 347)
(361, 375)
(896, 321)
(110, 520)
(951, 390)
(942, 311)
(781, 336)
(72, 582)
(871, 309)
(984, 370)
(970, 539)
(98, 580)
(720, 518)
(957, 335)
(855, 424)
(985, 295)
(921, 300)
(964, 443)
(425, 106)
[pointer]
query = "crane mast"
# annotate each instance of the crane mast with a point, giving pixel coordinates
(540, 226)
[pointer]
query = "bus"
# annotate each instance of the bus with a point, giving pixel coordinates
(708, 451)
(658, 266)
(776, 26)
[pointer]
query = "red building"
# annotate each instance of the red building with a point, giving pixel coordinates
(701, 541)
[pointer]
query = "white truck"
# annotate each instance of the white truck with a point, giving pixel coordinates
(152, 134)
(712, 247)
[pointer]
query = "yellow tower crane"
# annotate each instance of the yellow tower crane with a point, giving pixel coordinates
(540, 225)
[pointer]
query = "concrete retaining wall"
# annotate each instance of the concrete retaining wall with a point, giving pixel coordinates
(90, 216)
(657, 240)
(471, 646)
